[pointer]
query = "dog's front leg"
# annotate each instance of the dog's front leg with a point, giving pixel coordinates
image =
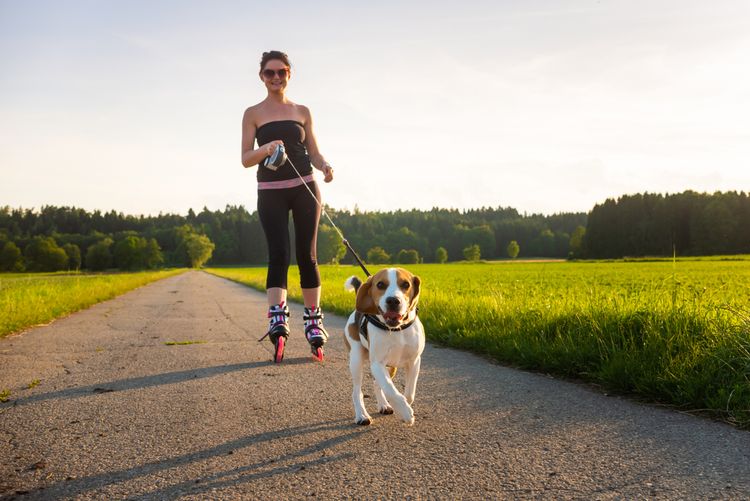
(412, 374)
(402, 407)
(383, 406)
(356, 364)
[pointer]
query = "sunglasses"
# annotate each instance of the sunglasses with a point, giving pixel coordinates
(282, 73)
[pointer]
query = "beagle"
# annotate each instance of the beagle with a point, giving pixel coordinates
(385, 329)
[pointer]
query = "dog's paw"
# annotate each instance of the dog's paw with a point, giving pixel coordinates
(363, 418)
(406, 413)
(387, 409)
(365, 421)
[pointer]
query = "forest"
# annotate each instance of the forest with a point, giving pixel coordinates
(688, 223)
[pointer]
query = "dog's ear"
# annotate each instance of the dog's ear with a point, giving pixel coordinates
(365, 303)
(416, 284)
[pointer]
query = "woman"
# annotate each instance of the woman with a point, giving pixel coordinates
(278, 121)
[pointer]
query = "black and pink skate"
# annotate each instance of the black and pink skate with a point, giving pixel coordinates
(278, 329)
(315, 332)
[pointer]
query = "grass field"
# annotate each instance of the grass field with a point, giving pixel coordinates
(32, 299)
(670, 332)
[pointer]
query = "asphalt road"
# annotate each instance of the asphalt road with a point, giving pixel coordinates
(119, 414)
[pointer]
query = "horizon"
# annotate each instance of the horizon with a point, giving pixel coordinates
(546, 108)
(357, 210)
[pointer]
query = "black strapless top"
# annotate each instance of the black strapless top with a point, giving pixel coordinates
(293, 135)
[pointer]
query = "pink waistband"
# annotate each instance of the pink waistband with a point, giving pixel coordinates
(286, 183)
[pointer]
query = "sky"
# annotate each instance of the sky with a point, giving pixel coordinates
(544, 106)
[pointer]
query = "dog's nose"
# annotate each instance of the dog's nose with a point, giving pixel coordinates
(392, 302)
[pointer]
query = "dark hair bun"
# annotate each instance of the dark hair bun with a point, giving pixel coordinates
(274, 54)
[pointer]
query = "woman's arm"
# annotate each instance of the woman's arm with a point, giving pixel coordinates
(316, 158)
(252, 156)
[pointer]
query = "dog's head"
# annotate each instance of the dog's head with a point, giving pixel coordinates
(391, 293)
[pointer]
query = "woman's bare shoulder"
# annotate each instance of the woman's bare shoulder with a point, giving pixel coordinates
(254, 109)
(251, 114)
(303, 111)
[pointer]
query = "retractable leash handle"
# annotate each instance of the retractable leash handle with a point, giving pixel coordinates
(344, 240)
(275, 159)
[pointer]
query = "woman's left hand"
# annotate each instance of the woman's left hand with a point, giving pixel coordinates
(328, 172)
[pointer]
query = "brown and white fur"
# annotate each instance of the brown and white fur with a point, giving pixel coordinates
(391, 295)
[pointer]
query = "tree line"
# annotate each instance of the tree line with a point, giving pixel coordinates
(97, 240)
(687, 223)
(65, 238)
(691, 223)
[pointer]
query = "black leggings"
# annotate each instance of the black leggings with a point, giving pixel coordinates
(273, 209)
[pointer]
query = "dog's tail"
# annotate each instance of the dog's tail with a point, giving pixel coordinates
(352, 284)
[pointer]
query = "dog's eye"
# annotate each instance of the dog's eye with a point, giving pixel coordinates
(381, 285)
(405, 285)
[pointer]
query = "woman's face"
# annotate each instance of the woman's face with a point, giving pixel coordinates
(275, 75)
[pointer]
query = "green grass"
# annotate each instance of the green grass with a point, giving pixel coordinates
(670, 332)
(33, 299)
(182, 343)
(4, 395)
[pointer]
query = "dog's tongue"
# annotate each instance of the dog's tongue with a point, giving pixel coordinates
(392, 315)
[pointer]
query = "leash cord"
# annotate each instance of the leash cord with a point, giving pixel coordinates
(343, 239)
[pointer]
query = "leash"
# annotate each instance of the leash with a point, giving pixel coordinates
(323, 210)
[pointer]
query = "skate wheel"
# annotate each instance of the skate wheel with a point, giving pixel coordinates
(318, 354)
(279, 355)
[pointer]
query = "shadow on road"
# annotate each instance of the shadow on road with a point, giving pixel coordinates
(148, 381)
(291, 461)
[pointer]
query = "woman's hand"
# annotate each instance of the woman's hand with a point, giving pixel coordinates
(269, 147)
(328, 172)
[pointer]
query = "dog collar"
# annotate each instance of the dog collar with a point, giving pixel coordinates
(372, 319)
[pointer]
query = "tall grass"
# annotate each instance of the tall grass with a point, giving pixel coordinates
(32, 299)
(672, 332)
